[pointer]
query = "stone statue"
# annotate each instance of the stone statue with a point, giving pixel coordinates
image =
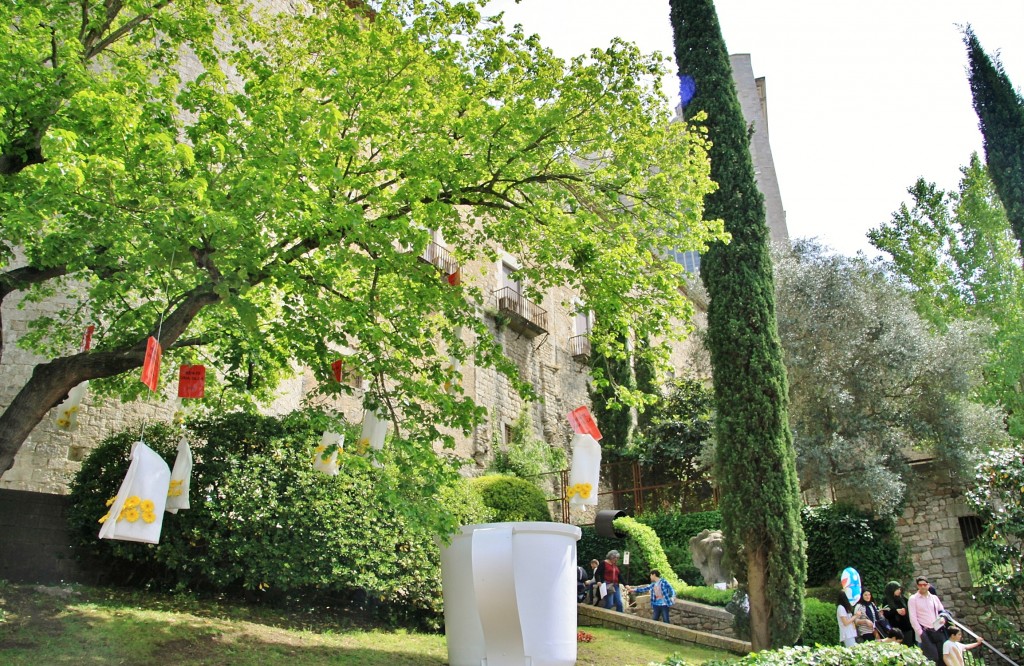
(707, 549)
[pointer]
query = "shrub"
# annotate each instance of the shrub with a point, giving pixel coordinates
(820, 624)
(707, 595)
(675, 530)
(265, 524)
(648, 545)
(865, 654)
(525, 455)
(511, 499)
(840, 536)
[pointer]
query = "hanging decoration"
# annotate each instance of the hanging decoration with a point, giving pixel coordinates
(181, 477)
(375, 429)
(137, 511)
(67, 411)
(585, 472)
(325, 456)
(338, 369)
(455, 279)
(192, 381)
(582, 422)
(151, 364)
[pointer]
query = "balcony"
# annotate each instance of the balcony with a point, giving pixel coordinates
(440, 258)
(524, 316)
(579, 347)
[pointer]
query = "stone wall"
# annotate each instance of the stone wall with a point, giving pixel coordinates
(690, 614)
(930, 530)
(592, 616)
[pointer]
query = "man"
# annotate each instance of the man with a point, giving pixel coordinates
(924, 608)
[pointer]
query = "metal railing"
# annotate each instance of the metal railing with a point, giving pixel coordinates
(579, 347)
(524, 315)
(440, 257)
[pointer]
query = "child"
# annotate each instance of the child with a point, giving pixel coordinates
(662, 595)
(953, 649)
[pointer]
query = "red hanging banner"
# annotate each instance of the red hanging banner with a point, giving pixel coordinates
(337, 368)
(583, 423)
(151, 364)
(455, 279)
(87, 338)
(191, 381)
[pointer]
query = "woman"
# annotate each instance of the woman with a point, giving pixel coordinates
(866, 626)
(608, 573)
(953, 650)
(895, 611)
(847, 619)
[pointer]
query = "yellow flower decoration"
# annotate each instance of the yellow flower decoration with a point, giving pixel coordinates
(131, 515)
(132, 502)
(581, 489)
(175, 490)
(104, 518)
(147, 506)
(148, 516)
(63, 422)
(363, 445)
(111, 500)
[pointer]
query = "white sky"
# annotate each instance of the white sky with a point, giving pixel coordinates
(863, 97)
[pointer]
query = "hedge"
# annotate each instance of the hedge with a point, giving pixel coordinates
(865, 654)
(265, 525)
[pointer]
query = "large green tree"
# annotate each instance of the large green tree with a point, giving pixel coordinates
(870, 379)
(957, 253)
(1000, 110)
(755, 461)
(265, 204)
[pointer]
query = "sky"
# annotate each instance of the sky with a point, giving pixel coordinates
(863, 97)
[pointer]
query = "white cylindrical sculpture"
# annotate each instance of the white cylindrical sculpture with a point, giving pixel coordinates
(510, 594)
(585, 473)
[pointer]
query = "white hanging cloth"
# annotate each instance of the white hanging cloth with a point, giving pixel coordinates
(137, 511)
(181, 477)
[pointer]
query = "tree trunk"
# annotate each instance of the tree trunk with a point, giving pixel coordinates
(760, 609)
(50, 382)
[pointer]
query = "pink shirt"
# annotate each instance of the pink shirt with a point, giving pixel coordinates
(923, 611)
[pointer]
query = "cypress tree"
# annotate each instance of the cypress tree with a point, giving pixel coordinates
(1000, 110)
(754, 459)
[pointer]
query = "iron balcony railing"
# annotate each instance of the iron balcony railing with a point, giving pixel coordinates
(579, 347)
(441, 258)
(524, 316)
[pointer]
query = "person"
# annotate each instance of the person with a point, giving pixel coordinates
(953, 649)
(608, 573)
(593, 595)
(662, 596)
(581, 584)
(923, 607)
(895, 611)
(847, 617)
(866, 626)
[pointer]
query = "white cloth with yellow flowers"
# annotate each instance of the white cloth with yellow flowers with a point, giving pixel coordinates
(181, 476)
(585, 473)
(137, 511)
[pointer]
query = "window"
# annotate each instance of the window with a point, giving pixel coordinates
(507, 270)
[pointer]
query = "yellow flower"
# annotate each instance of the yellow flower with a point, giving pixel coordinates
(147, 506)
(111, 500)
(363, 445)
(104, 518)
(148, 516)
(131, 515)
(174, 490)
(73, 409)
(132, 502)
(63, 422)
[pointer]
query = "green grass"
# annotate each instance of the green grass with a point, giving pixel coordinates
(82, 625)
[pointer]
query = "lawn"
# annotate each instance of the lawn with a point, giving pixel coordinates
(83, 625)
